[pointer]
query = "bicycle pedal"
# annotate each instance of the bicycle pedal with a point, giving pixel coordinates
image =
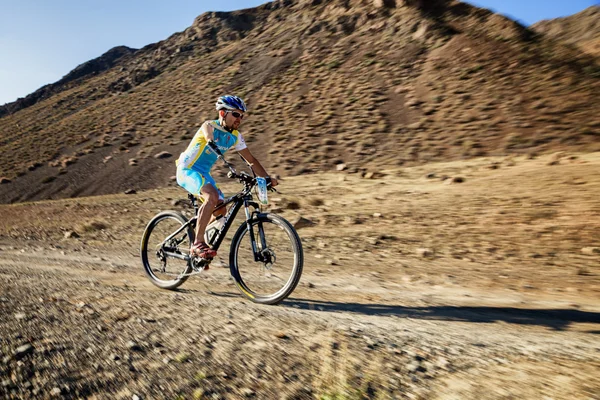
(201, 264)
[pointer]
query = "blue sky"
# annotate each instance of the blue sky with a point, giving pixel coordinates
(42, 40)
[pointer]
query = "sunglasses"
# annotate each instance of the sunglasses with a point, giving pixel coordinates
(237, 114)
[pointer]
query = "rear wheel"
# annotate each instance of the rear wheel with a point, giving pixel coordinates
(273, 278)
(163, 260)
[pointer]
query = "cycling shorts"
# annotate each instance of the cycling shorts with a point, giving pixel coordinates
(193, 181)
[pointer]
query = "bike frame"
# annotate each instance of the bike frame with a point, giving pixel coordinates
(243, 198)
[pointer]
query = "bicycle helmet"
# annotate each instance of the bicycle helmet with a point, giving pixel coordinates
(230, 103)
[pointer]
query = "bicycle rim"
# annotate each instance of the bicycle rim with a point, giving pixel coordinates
(259, 279)
(161, 268)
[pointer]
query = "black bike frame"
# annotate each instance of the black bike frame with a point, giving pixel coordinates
(241, 199)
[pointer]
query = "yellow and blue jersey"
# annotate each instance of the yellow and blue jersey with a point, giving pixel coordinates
(200, 158)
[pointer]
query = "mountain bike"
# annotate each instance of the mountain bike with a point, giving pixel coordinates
(265, 256)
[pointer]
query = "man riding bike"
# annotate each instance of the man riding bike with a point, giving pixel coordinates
(195, 163)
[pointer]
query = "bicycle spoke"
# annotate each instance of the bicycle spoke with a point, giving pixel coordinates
(164, 270)
(272, 241)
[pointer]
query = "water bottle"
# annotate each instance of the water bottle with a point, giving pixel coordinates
(213, 228)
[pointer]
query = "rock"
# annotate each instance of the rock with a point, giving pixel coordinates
(34, 166)
(591, 251)
(136, 397)
(133, 162)
(4, 180)
(413, 103)
(133, 346)
(340, 167)
(163, 154)
(181, 357)
(20, 316)
(442, 363)
(130, 191)
(456, 179)
(302, 222)
(369, 175)
(179, 202)
(22, 351)
(292, 205)
(421, 31)
(431, 175)
(71, 235)
(415, 366)
(424, 252)
(377, 215)
(55, 392)
(384, 3)
(173, 178)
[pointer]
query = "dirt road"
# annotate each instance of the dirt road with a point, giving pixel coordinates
(98, 328)
(372, 318)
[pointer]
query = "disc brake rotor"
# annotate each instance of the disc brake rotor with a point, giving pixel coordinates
(269, 258)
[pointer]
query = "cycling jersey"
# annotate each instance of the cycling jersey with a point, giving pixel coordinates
(194, 164)
(199, 157)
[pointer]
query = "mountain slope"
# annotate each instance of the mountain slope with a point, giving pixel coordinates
(581, 29)
(371, 84)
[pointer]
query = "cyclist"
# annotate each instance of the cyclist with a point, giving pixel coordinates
(194, 164)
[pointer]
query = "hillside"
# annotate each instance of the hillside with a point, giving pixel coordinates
(581, 29)
(370, 84)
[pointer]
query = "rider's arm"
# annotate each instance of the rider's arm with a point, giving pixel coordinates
(208, 131)
(256, 165)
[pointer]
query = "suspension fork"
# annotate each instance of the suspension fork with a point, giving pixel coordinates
(258, 256)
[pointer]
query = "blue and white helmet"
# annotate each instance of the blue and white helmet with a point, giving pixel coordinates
(230, 103)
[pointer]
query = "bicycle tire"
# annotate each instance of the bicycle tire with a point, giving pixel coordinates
(298, 260)
(149, 240)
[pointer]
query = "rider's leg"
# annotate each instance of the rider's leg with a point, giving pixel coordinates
(210, 195)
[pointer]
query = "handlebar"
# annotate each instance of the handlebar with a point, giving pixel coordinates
(233, 174)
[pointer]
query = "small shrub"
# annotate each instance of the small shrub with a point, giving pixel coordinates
(334, 64)
(316, 202)
(94, 226)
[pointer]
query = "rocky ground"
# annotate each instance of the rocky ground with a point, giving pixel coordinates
(471, 279)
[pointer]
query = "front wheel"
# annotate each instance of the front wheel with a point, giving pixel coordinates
(275, 275)
(163, 257)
